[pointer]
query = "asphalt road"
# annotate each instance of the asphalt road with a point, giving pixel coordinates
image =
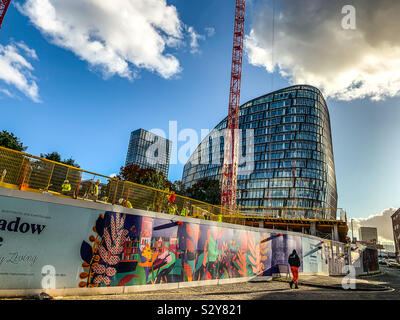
(271, 290)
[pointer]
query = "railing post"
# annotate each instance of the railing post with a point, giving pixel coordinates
(115, 193)
(77, 187)
(127, 195)
(3, 175)
(123, 189)
(66, 176)
(50, 176)
(24, 173)
(154, 201)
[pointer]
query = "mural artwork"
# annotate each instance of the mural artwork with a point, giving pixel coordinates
(120, 249)
(129, 250)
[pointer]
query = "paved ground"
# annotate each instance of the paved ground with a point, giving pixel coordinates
(311, 288)
(275, 290)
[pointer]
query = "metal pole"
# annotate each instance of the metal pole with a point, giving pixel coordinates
(352, 235)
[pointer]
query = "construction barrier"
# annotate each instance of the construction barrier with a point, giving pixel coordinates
(26, 172)
(68, 247)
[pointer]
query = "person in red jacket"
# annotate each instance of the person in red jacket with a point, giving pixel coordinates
(294, 262)
(171, 198)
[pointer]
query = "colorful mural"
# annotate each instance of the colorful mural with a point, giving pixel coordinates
(134, 250)
(117, 249)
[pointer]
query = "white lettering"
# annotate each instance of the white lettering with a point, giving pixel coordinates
(349, 20)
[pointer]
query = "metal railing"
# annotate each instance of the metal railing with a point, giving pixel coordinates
(294, 213)
(19, 170)
(23, 171)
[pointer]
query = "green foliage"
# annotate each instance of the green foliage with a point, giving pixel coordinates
(71, 162)
(148, 177)
(55, 156)
(179, 188)
(154, 179)
(8, 140)
(206, 190)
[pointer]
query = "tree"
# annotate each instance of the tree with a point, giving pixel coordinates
(130, 172)
(153, 178)
(8, 140)
(71, 162)
(55, 156)
(179, 188)
(148, 177)
(206, 190)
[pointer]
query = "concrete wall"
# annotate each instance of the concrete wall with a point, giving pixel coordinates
(364, 259)
(72, 246)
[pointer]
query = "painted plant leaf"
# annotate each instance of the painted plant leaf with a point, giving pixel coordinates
(86, 252)
(126, 279)
(100, 226)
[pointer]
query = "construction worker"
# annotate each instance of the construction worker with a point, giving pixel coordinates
(220, 218)
(171, 198)
(164, 200)
(172, 208)
(185, 210)
(126, 203)
(66, 187)
(3, 175)
(95, 191)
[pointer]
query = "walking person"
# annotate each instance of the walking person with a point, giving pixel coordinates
(294, 262)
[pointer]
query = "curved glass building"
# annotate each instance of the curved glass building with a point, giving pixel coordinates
(286, 140)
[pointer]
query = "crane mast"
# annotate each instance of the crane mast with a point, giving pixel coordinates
(3, 9)
(231, 140)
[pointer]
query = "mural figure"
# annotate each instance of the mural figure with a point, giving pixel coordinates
(133, 250)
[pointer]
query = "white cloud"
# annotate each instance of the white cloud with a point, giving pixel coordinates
(117, 37)
(15, 70)
(7, 92)
(210, 31)
(310, 46)
(194, 40)
(382, 221)
(195, 37)
(30, 52)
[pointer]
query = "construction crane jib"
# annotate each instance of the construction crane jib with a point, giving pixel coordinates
(231, 139)
(3, 9)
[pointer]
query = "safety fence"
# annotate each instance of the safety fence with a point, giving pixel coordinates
(23, 171)
(294, 213)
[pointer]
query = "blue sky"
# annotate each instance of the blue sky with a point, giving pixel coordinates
(87, 115)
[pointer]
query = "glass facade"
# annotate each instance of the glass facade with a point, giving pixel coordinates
(291, 147)
(149, 150)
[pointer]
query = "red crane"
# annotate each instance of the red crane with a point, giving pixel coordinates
(3, 9)
(231, 141)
